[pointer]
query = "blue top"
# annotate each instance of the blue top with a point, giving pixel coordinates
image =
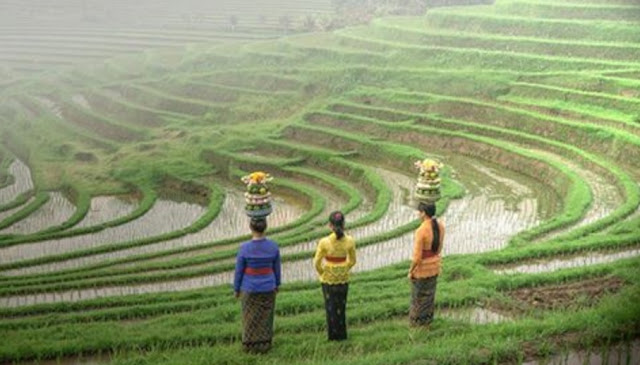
(257, 254)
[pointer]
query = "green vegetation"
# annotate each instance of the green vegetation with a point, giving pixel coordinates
(532, 105)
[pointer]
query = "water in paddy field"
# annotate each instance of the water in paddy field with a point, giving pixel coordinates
(567, 263)
(622, 354)
(231, 222)
(629, 218)
(606, 197)
(473, 315)
(105, 209)
(165, 216)
(495, 208)
(54, 212)
(398, 214)
(21, 182)
(285, 211)
(498, 204)
(10, 212)
(510, 197)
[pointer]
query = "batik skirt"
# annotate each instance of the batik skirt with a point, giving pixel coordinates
(423, 294)
(257, 321)
(335, 302)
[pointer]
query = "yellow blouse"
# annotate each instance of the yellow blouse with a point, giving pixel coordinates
(334, 258)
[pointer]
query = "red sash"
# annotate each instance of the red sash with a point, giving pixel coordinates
(260, 271)
(428, 253)
(335, 259)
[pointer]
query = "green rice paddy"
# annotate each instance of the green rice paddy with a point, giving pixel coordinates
(120, 196)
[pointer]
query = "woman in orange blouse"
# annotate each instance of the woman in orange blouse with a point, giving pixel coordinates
(334, 258)
(425, 265)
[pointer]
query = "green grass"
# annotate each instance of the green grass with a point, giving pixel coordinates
(419, 32)
(520, 85)
(40, 199)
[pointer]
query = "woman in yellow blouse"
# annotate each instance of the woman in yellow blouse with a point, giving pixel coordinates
(335, 256)
(425, 265)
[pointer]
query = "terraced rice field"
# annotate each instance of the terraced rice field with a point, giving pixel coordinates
(41, 35)
(121, 207)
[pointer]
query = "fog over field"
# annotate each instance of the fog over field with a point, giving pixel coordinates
(126, 129)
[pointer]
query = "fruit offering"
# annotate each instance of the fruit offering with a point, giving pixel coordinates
(257, 196)
(428, 185)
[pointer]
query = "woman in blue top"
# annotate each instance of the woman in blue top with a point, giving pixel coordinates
(256, 282)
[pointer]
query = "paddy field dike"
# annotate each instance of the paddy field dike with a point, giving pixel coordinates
(121, 205)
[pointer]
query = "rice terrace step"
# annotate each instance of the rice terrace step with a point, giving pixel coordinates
(126, 128)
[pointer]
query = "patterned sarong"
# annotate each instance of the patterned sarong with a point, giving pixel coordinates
(257, 321)
(335, 302)
(423, 294)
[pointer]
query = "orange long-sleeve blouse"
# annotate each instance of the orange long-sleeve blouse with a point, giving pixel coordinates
(427, 264)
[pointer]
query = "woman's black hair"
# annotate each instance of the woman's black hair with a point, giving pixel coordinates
(258, 225)
(337, 221)
(430, 210)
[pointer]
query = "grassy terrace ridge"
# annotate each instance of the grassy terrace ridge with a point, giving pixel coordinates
(284, 242)
(618, 13)
(307, 322)
(612, 118)
(527, 121)
(578, 195)
(545, 90)
(504, 10)
(149, 197)
(533, 27)
(630, 187)
(592, 83)
(5, 178)
(41, 198)
(82, 202)
(423, 26)
(381, 201)
(179, 303)
(288, 238)
(46, 115)
(107, 128)
(317, 206)
(419, 32)
(174, 266)
(18, 201)
(191, 272)
(351, 38)
(130, 106)
(587, 4)
(620, 103)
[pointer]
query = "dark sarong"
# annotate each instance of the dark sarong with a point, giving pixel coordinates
(335, 303)
(257, 321)
(423, 294)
